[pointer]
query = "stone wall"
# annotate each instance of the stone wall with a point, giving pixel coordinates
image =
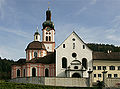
(68, 82)
(112, 82)
(54, 81)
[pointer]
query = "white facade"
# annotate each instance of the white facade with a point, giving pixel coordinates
(73, 44)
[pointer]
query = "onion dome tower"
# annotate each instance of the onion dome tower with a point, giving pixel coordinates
(48, 33)
(35, 48)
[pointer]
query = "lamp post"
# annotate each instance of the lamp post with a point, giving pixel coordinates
(104, 77)
(90, 78)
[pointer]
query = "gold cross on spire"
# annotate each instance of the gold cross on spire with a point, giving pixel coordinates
(48, 4)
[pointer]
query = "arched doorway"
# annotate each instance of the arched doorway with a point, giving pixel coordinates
(18, 73)
(76, 75)
(33, 72)
(46, 72)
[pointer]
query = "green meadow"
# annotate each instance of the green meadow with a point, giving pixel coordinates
(9, 85)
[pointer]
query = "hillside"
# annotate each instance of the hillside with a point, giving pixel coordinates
(5, 68)
(103, 47)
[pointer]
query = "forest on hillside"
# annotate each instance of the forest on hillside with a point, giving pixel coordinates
(5, 64)
(103, 47)
(5, 68)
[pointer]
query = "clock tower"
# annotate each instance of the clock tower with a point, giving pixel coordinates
(48, 33)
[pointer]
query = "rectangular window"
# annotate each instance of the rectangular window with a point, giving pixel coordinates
(118, 67)
(94, 67)
(94, 75)
(112, 67)
(115, 75)
(109, 75)
(63, 45)
(104, 67)
(73, 45)
(99, 67)
(83, 46)
(99, 75)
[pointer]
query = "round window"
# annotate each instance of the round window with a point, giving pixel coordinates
(74, 54)
(73, 39)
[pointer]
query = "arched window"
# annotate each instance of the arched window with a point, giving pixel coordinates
(84, 63)
(46, 72)
(49, 38)
(33, 72)
(18, 73)
(24, 73)
(36, 38)
(75, 67)
(76, 75)
(46, 38)
(35, 54)
(64, 62)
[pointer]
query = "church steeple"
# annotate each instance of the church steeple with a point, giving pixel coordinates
(37, 35)
(48, 33)
(48, 15)
(48, 22)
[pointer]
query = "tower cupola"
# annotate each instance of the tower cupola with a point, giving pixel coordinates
(48, 33)
(48, 22)
(37, 36)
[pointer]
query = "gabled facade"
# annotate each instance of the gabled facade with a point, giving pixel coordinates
(73, 58)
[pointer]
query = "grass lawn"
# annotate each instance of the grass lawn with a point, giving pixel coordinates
(8, 85)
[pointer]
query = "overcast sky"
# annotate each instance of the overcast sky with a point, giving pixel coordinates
(95, 21)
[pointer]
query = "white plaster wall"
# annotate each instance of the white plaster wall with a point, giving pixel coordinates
(48, 45)
(67, 52)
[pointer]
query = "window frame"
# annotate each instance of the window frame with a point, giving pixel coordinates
(104, 67)
(111, 67)
(85, 65)
(94, 67)
(73, 45)
(118, 67)
(64, 62)
(115, 75)
(99, 75)
(63, 45)
(109, 75)
(99, 67)
(95, 76)
(83, 46)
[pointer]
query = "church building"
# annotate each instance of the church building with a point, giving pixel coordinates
(72, 58)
